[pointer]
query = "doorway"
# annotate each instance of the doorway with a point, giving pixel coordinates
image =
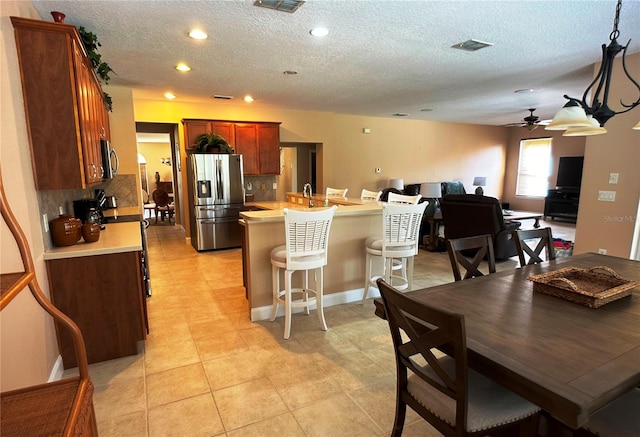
(166, 171)
(297, 167)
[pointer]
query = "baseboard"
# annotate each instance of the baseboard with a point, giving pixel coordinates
(57, 370)
(263, 313)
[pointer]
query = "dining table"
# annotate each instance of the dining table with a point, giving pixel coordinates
(565, 357)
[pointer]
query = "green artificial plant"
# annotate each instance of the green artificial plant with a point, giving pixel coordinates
(102, 69)
(204, 142)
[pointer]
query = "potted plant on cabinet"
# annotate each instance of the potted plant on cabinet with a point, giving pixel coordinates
(212, 143)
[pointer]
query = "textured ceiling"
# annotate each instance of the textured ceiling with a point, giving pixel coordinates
(380, 57)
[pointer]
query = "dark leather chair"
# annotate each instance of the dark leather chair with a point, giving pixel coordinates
(469, 215)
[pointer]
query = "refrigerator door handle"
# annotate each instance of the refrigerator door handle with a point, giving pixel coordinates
(219, 186)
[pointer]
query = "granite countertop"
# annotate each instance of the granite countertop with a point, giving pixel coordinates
(115, 238)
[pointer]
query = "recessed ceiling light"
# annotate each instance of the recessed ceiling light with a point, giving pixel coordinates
(248, 99)
(169, 95)
(400, 114)
(319, 31)
(471, 45)
(290, 72)
(183, 67)
(198, 34)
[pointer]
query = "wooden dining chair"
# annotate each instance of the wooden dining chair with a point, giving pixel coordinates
(462, 249)
(543, 240)
(454, 399)
(163, 204)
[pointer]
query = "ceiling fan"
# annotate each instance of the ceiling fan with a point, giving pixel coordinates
(530, 122)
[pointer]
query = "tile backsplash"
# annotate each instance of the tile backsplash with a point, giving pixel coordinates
(123, 187)
(257, 184)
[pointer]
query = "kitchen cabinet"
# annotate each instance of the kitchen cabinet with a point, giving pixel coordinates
(257, 142)
(64, 105)
(105, 297)
(195, 128)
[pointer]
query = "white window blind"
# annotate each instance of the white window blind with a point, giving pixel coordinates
(534, 167)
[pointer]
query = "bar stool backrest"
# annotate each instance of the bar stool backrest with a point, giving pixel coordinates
(307, 237)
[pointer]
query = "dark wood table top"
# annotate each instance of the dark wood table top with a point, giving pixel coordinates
(567, 358)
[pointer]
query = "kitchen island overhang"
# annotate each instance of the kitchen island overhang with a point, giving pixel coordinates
(344, 274)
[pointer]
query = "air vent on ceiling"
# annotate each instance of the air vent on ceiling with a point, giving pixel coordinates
(218, 96)
(280, 5)
(471, 45)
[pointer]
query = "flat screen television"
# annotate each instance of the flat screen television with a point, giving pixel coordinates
(570, 172)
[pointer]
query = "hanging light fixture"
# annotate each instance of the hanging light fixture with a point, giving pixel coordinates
(574, 113)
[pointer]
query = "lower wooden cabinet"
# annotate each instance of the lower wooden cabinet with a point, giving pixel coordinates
(105, 297)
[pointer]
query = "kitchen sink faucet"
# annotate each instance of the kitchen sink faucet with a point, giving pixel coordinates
(304, 193)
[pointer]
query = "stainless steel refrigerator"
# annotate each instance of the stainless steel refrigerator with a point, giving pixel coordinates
(216, 197)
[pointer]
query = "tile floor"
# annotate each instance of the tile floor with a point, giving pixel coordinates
(206, 370)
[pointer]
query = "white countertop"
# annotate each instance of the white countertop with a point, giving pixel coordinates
(272, 210)
(115, 238)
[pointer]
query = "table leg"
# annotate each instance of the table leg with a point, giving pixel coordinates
(536, 224)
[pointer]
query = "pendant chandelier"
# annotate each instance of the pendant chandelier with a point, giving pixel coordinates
(577, 117)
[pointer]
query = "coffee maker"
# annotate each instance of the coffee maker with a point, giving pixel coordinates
(88, 210)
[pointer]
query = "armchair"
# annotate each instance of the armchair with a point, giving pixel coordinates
(467, 215)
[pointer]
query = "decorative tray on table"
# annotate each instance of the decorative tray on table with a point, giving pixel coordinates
(592, 287)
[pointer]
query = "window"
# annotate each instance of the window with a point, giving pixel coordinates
(534, 167)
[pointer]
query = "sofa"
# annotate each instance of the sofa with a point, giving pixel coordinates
(466, 215)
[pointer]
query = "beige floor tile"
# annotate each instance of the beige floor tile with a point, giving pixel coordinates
(192, 417)
(176, 384)
(233, 369)
(379, 402)
(169, 355)
(284, 425)
(219, 345)
(304, 385)
(127, 425)
(248, 403)
(119, 398)
(336, 416)
(353, 370)
(118, 370)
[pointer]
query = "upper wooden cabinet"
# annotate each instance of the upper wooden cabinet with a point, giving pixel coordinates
(257, 142)
(194, 128)
(64, 105)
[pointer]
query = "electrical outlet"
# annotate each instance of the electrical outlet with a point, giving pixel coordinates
(45, 222)
(275, 185)
(607, 196)
(602, 251)
(263, 186)
(249, 186)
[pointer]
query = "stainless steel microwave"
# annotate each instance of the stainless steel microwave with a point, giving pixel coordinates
(110, 161)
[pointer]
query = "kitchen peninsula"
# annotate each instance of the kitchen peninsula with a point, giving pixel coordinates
(353, 222)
